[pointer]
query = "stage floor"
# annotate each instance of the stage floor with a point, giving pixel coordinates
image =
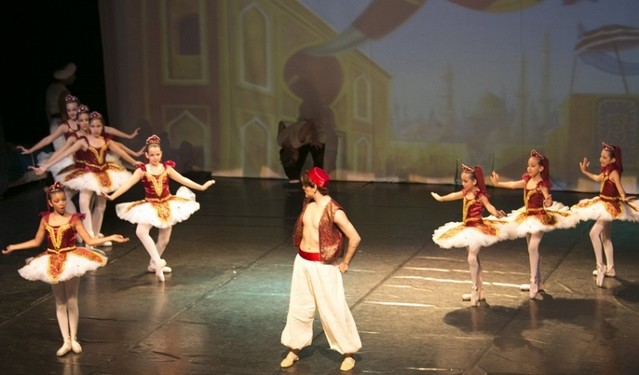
(223, 308)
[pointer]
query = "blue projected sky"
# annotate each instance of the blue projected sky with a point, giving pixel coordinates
(485, 50)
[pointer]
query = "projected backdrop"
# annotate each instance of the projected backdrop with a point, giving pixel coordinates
(404, 89)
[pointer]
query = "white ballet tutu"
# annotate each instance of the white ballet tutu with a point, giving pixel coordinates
(160, 214)
(557, 216)
(456, 234)
(600, 209)
(87, 180)
(55, 169)
(52, 268)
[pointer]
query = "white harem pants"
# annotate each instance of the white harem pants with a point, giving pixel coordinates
(317, 286)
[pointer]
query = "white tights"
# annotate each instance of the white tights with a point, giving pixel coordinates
(474, 265)
(155, 249)
(600, 236)
(66, 306)
(93, 207)
(533, 240)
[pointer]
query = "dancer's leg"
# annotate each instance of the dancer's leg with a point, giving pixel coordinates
(474, 267)
(164, 235)
(534, 259)
(596, 239)
(71, 289)
(59, 292)
(142, 231)
(85, 208)
(70, 193)
(606, 239)
(99, 206)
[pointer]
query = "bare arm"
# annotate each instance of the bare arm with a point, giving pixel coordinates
(135, 178)
(547, 196)
(583, 166)
(493, 211)
(614, 177)
(353, 239)
(448, 197)
(176, 176)
(60, 131)
(494, 178)
(114, 147)
(129, 151)
(119, 133)
(35, 242)
(59, 155)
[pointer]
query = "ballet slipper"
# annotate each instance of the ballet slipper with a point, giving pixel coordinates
(158, 269)
(65, 348)
(601, 273)
(474, 296)
(166, 269)
(75, 345)
(534, 288)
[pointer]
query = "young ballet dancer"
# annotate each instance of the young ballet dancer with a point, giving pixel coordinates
(159, 208)
(539, 213)
(612, 204)
(92, 173)
(475, 231)
(63, 263)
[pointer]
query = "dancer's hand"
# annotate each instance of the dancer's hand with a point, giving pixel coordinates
(107, 196)
(8, 250)
(583, 165)
(207, 184)
(118, 238)
(39, 170)
(437, 197)
(23, 150)
(500, 213)
(494, 178)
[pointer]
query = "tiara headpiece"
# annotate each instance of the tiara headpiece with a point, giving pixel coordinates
(57, 186)
(607, 147)
(537, 155)
(95, 115)
(71, 99)
(154, 139)
(467, 169)
(83, 108)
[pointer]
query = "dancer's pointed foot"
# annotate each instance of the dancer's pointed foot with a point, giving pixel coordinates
(534, 288)
(159, 266)
(165, 269)
(610, 272)
(601, 273)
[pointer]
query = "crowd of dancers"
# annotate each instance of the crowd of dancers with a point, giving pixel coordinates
(539, 214)
(92, 164)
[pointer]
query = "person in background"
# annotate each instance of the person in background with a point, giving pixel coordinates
(55, 96)
(297, 140)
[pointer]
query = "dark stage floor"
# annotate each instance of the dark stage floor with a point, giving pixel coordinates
(222, 309)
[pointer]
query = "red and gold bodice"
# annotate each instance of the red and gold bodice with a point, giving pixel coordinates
(156, 187)
(61, 238)
(472, 210)
(608, 188)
